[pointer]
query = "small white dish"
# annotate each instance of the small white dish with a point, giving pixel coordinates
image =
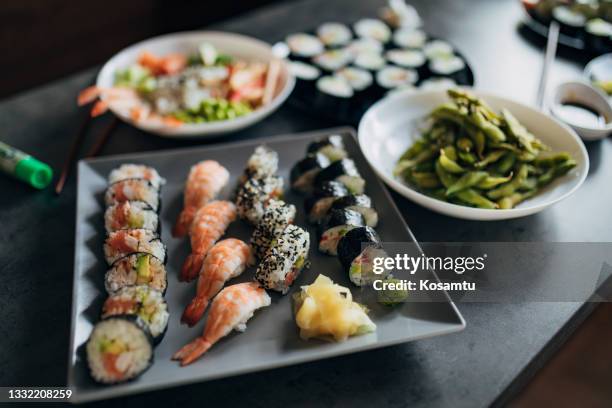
(388, 128)
(599, 69)
(236, 45)
(582, 93)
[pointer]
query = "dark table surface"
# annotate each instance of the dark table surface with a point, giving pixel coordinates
(487, 363)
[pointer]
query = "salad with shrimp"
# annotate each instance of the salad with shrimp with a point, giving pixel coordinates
(175, 89)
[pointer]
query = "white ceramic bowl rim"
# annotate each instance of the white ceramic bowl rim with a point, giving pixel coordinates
(599, 105)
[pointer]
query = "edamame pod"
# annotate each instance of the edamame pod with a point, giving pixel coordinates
(468, 180)
(511, 186)
(471, 196)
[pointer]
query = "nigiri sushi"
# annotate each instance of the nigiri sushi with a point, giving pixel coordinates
(227, 259)
(230, 310)
(205, 181)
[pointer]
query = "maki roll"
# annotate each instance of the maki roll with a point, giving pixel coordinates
(336, 224)
(306, 76)
(438, 48)
(598, 35)
(136, 269)
(437, 84)
(274, 221)
(324, 195)
(285, 260)
(119, 349)
(136, 171)
(391, 77)
(450, 66)
(356, 251)
(262, 163)
(333, 60)
(331, 146)
(303, 46)
(372, 28)
(412, 59)
(361, 45)
(409, 38)
(345, 172)
(125, 242)
(359, 79)
(131, 214)
(334, 94)
(360, 203)
(571, 21)
(303, 172)
(253, 197)
(334, 34)
(369, 60)
(136, 189)
(141, 301)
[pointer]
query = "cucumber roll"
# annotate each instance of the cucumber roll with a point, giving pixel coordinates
(345, 172)
(136, 171)
(369, 60)
(360, 203)
(356, 251)
(437, 48)
(334, 34)
(331, 146)
(409, 38)
(119, 349)
(323, 197)
(142, 301)
(304, 172)
(303, 46)
(285, 259)
(362, 45)
(390, 78)
(450, 66)
(336, 224)
(131, 214)
(571, 22)
(125, 242)
(359, 79)
(333, 60)
(135, 189)
(598, 37)
(334, 94)
(136, 269)
(412, 59)
(254, 195)
(306, 76)
(275, 219)
(372, 28)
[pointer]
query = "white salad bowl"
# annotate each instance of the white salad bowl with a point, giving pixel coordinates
(235, 45)
(389, 127)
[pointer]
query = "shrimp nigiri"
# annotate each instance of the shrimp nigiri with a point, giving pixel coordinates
(209, 224)
(230, 310)
(204, 182)
(226, 260)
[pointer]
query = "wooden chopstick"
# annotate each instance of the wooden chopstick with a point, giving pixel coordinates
(76, 144)
(103, 138)
(549, 57)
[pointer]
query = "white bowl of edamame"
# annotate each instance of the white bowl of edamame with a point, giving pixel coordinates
(472, 155)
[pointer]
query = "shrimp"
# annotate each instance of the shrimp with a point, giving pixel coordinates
(209, 224)
(205, 181)
(226, 260)
(230, 310)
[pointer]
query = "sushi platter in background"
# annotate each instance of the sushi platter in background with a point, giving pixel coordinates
(279, 245)
(342, 69)
(585, 25)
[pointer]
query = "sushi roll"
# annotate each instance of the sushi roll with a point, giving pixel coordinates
(449, 66)
(334, 94)
(333, 60)
(119, 349)
(274, 221)
(437, 48)
(369, 60)
(571, 22)
(360, 203)
(303, 172)
(598, 35)
(125, 242)
(136, 269)
(345, 172)
(331, 146)
(285, 260)
(334, 34)
(303, 46)
(356, 251)
(306, 76)
(399, 14)
(323, 197)
(131, 214)
(136, 189)
(412, 59)
(391, 77)
(409, 38)
(361, 45)
(136, 171)
(253, 197)
(336, 224)
(361, 81)
(142, 301)
(437, 84)
(372, 28)
(262, 163)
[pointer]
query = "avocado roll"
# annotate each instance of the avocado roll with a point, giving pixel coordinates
(136, 171)
(125, 242)
(333, 60)
(411, 59)
(284, 260)
(275, 219)
(141, 301)
(331, 146)
(306, 77)
(136, 269)
(304, 172)
(334, 34)
(356, 251)
(571, 22)
(335, 225)
(372, 28)
(303, 46)
(392, 77)
(134, 189)
(334, 94)
(409, 38)
(437, 48)
(131, 214)
(361, 45)
(598, 35)
(359, 79)
(360, 203)
(370, 61)
(119, 349)
(345, 172)
(323, 197)
(449, 66)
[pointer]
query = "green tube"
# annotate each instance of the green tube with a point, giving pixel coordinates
(24, 167)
